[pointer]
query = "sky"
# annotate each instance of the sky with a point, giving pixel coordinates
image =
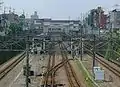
(59, 9)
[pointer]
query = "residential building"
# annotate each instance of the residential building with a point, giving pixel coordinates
(97, 18)
(115, 19)
(103, 21)
(96, 21)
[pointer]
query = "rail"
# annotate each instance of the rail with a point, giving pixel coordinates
(108, 66)
(10, 66)
(105, 63)
(50, 77)
(71, 75)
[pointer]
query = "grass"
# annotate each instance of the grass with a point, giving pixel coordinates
(88, 78)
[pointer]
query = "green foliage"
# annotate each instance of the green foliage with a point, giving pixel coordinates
(113, 48)
(87, 76)
(107, 55)
(14, 28)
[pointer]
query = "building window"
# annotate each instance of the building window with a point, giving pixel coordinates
(49, 29)
(74, 27)
(36, 27)
(59, 28)
(37, 22)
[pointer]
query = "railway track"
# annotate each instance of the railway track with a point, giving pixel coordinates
(47, 74)
(71, 75)
(102, 61)
(58, 66)
(53, 71)
(108, 66)
(115, 62)
(52, 68)
(10, 66)
(112, 61)
(49, 80)
(100, 57)
(53, 74)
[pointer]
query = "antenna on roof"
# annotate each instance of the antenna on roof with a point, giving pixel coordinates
(1, 3)
(10, 10)
(23, 11)
(13, 10)
(26, 15)
(117, 6)
(5, 9)
(69, 18)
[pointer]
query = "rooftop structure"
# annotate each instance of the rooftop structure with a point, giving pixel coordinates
(35, 15)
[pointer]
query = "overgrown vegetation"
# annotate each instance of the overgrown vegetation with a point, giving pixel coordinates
(15, 28)
(112, 49)
(88, 78)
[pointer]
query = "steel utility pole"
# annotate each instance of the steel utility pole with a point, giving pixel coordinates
(71, 47)
(111, 45)
(27, 62)
(94, 52)
(81, 44)
(81, 36)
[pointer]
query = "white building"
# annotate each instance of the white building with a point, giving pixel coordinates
(115, 19)
(35, 15)
(50, 25)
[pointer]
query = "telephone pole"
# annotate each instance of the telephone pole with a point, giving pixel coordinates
(111, 42)
(27, 62)
(94, 52)
(81, 44)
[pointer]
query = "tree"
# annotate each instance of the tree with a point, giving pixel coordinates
(15, 28)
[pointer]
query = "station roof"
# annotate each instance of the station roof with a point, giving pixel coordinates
(58, 21)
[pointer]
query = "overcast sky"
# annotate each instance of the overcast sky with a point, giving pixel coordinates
(59, 9)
